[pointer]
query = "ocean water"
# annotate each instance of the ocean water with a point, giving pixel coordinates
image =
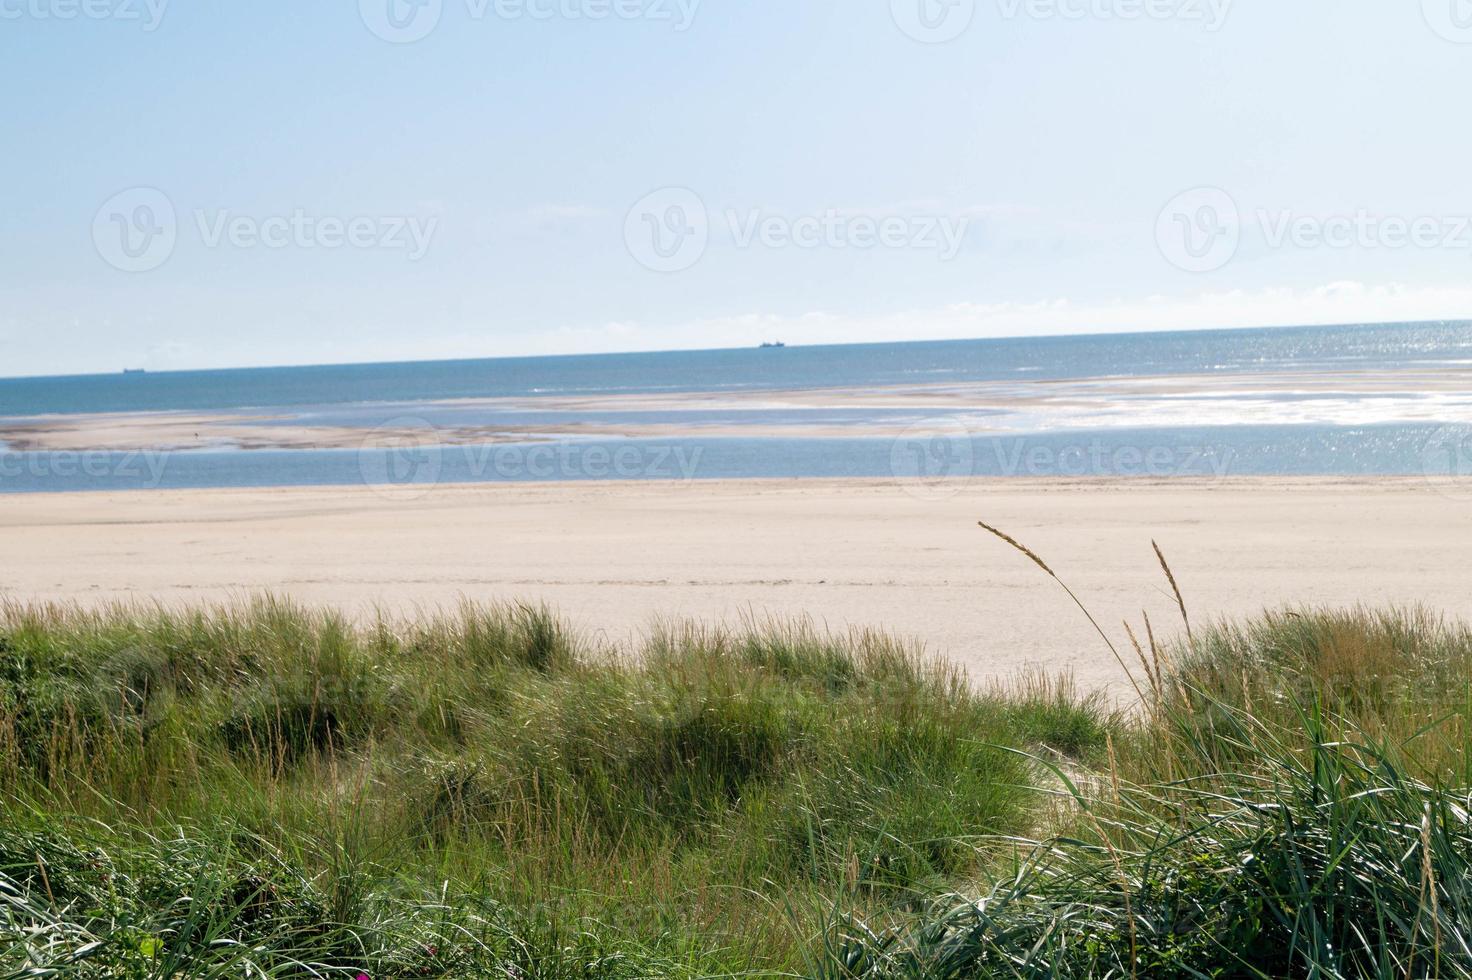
(1108, 425)
(855, 365)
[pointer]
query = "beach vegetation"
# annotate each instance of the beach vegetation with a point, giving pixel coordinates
(271, 790)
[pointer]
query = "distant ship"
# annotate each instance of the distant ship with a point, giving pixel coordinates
(767, 344)
(135, 370)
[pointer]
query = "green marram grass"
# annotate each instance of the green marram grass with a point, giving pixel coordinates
(271, 791)
(1291, 800)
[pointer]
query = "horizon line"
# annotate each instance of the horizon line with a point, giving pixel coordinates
(789, 346)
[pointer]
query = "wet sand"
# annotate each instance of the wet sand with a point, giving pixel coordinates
(1430, 394)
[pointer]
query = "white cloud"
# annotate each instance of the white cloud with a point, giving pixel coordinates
(105, 348)
(1331, 303)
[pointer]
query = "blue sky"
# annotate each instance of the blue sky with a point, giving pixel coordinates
(305, 182)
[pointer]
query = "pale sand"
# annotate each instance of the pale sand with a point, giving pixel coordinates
(613, 557)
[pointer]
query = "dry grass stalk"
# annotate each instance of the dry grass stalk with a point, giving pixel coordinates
(1113, 768)
(1428, 886)
(1160, 658)
(1018, 545)
(1144, 661)
(1171, 578)
(45, 879)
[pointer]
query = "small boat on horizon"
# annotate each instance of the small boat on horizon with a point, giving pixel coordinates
(135, 370)
(769, 344)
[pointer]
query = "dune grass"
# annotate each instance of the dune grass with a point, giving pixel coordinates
(268, 790)
(1291, 800)
(485, 792)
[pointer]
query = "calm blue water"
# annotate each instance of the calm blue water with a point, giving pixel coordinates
(1146, 453)
(1309, 348)
(1267, 438)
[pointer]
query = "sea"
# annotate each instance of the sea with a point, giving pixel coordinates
(1315, 418)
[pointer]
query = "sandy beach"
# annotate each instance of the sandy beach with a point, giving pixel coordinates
(616, 557)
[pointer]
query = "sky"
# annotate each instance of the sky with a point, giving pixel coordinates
(193, 185)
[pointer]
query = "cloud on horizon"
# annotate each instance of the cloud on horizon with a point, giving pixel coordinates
(1332, 303)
